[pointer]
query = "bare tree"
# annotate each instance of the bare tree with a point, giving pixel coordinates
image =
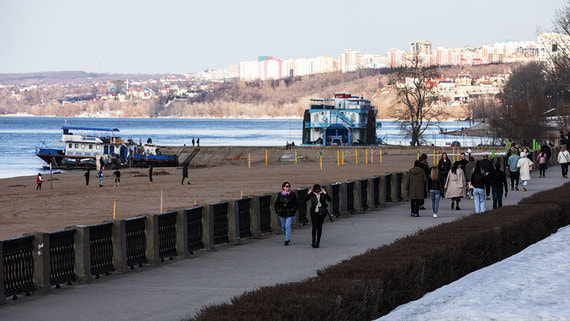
(416, 97)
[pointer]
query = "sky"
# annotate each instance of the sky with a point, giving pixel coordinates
(180, 36)
(530, 285)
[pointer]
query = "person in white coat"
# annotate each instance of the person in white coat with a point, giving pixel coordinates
(455, 185)
(524, 165)
(564, 160)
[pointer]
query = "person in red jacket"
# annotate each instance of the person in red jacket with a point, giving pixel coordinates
(39, 180)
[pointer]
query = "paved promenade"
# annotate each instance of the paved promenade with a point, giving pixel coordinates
(177, 289)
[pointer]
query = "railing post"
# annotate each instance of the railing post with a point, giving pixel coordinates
(182, 234)
(2, 287)
(152, 243)
(41, 263)
(233, 222)
(208, 226)
(82, 254)
(255, 217)
(120, 246)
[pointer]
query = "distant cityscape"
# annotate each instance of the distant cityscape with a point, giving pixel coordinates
(268, 67)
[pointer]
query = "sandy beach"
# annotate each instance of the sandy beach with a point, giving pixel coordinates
(70, 202)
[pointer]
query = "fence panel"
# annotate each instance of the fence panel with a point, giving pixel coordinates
(399, 183)
(136, 241)
(167, 235)
(101, 247)
(62, 257)
(301, 194)
(350, 196)
(220, 212)
(335, 194)
(363, 194)
(265, 213)
(18, 265)
(244, 217)
(388, 189)
(195, 228)
(376, 190)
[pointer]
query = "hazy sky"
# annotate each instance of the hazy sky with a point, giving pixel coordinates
(187, 36)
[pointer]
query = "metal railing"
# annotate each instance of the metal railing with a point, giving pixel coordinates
(167, 235)
(220, 213)
(244, 217)
(350, 196)
(335, 195)
(18, 266)
(62, 257)
(195, 228)
(101, 248)
(301, 194)
(363, 194)
(265, 213)
(136, 241)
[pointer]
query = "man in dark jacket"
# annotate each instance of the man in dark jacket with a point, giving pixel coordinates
(498, 182)
(487, 167)
(425, 166)
(416, 182)
(319, 211)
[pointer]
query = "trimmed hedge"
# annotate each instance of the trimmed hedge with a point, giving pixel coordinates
(372, 284)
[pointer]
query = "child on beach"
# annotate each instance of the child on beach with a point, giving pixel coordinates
(39, 180)
(100, 176)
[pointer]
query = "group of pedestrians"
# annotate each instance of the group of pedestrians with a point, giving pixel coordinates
(475, 179)
(286, 205)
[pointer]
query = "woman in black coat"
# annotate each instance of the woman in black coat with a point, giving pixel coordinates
(318, 210)
(286, 206)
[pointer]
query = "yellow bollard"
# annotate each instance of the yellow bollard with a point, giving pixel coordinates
(195, 202)
(114, 208)
(161, 201)
(342, 158)
(356, 155)
(295, 157)
(453, 153)
(337, 157)
(241, 194)
(321, 161)
(380, 157)
(434, 156)
(266, 158)
(248, 160)
(371, 156)
(366, 157)
(418, 157)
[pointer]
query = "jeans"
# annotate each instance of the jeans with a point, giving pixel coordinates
(524, 182)
(286, 226)
(434, 194)
(514, 179)
(479, 198)
(497, 197)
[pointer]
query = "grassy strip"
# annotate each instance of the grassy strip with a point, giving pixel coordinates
(370, 285)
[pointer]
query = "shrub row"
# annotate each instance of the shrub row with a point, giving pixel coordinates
(371, 284)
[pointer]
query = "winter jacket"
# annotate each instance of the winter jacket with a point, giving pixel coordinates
(469, 170)
(463, 165)
(524, 167)
(313, 197)
(487, 165)
(499, 179)
(416, 182)
(542, 158)
(443, 167)
(564, 157)
(512, 162)
(435, 184)
(286, 205)
(455, 184)
(478, 179)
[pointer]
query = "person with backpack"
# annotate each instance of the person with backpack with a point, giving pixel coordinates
(498, 181)
(542, 160)
(319, 211)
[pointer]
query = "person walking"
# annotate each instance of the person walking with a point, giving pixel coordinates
(487, 167)
(455, 185)
(319, 211)
(193, 141)
(468, 172)
(564, 160)
(546, 149)
(542, 160)
(463, 162)
(514, 173)
(478, 183)
(117, 174)
(443, 166)
(87, 176)
(435, 187)
(39, 181)
(286, 206)
(415, 185)
(100, 177)
(524, 164)
(498, 180)
(150, 174)
(425, 166)
(185, 175)
(198, 142)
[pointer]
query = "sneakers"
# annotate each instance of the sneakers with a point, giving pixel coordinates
(422, 207)
(434, 215)
(517, 188)
(415, 215)
(287, 242)
(524, 188)
(457, 208)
